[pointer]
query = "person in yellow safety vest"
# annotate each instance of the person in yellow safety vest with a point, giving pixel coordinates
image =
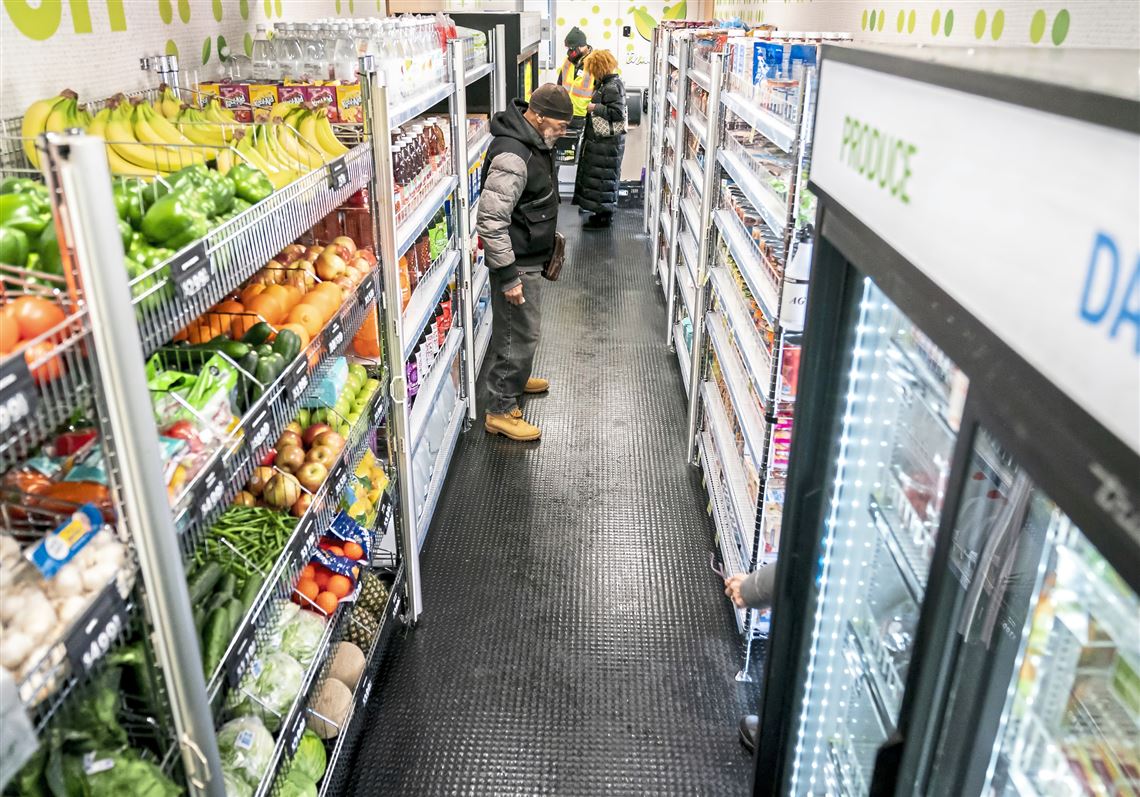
(576, 79)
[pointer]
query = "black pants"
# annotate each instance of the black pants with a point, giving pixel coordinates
(514, 340)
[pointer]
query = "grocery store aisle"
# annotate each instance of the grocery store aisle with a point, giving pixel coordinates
(574, 640)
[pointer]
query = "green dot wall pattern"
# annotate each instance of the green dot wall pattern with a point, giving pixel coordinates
(942, 23)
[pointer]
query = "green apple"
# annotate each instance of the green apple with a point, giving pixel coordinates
(371, 386)
(303, 418)
(344, 429)
(342, 407)
(354, 382)
(357, 370)
(353, 417)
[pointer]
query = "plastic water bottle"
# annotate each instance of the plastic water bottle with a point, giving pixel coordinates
(344, 55)
(287, 51)
(264, 62)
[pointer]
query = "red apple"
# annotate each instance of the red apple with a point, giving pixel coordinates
(366, 254)
(313, 432)
(330, 439)
(347, 243)
(330, 265)
(312, 475)
(301, 505)
(321, 454)
(291, 253)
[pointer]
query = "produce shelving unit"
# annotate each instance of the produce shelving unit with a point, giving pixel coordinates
(94, 363)
(714, 134)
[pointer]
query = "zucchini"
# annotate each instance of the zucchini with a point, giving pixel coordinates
(216, 638)
(235, 349)
(225, 588)
(263, 350)
(287, 344)
(248, 363)
(236, 612)
(249, 593)
(203, 581)
(257, 334)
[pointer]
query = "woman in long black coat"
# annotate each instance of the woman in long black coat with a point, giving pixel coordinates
(599, 165)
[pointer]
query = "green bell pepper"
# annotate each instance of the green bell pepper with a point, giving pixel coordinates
(21, 185)
(131, 201)
(222, 189)
(199, 228)
(173, 216)
(13, 246)
(25, 212)
(250, 183)
(48, 249)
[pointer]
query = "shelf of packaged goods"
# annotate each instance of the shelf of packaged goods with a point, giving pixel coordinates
(746, 406)
(439, 470)
(750, 262)
(934, 392)
(689, 211)
(483, 338)
(699, 77)
(674, 61)
(236, 249)
(771, 208)
(696, 176)
(302, 541)
(204, 497)
(671, 134)
(757, 356)
(337, 771)
(688, 293)
(479, 277)
(429, 388)
(476, 148)
(1110, 605)
(868, 659)
(295, 720)
(425, 298)
(409, 229)
(734, 478)
(729, 551)
(907, 556)
(779, 131)
(409, 109)
(478, 72)
(699, 125)
(690, 253)
(667, 225)
(683, 356)
(667, 173)
(671, 98)
(853, 749)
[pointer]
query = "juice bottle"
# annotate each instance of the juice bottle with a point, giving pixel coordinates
(406, 285)
(445, 306)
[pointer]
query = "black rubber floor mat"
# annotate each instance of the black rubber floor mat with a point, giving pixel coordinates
(574, 640)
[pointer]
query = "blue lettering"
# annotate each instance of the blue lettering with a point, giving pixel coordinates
(1103, 244)
(1130, 307)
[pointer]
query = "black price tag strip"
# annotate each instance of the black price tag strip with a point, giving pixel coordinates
(364, 689)
(245, 648)
(338, 174)
(211, 488)
(18, 395)
(296, 731)
(334, 336)
(93, 636)
(257, 432)
(366, 293)
(307, 539)
(379, 408)
(338, 479)
(296, 378)
(190, 270)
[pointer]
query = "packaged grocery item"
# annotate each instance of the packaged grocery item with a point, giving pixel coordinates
(349, 104)
(262, 97)
(235, 97)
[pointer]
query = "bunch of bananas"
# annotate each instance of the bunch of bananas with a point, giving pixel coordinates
(292, 143)
(53, 115)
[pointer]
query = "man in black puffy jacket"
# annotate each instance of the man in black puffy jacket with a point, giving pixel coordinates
(518, 216)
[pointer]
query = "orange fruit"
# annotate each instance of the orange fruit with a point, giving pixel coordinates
(250, 291)
(230, 306)
(330, 288)
(337, 550)
(9, 333)
(353, 551)
(293, 294)
(308, 571)
(35, 316)
(267, 307)
(322, 578)
(327, 602)
(281, 294)
(325, 304)
(340, 586)
(307, 316)
(301, 331)
(47, 370)
(308, 588)
(243, 323)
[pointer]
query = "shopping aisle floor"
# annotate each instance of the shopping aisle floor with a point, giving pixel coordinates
(573, 640)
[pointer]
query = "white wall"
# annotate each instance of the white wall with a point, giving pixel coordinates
(93, 46)
(973, 23)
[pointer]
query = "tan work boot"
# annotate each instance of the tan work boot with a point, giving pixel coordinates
(511, 424)
(536, 384)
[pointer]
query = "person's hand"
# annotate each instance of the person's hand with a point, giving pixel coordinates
(732, 589)
(591, 106)
(515, 295)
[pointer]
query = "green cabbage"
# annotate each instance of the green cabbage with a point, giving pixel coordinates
(235, 786)
(246, 748)
(270, 687)
(297, 785)
(301, 636)
(310, 759)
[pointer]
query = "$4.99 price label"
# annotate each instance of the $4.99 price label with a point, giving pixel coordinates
(190, 270)
(18, 395)
(93, 636)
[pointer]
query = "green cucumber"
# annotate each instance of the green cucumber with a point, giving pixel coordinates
(202, 583)
(249, 593)
(257, 334)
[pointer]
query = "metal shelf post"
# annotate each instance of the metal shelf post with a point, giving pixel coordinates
(675, 208)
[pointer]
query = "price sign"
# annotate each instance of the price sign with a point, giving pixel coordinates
(18, 396)
(366, 293)
(338, 174)
(309, 538)
(191, 270)
(365, 689)
(338, 478)
(379, 409)
(257, 431)
(296, 378)
(296, 732)
(334, 336)
(211, 488)
(93, 636)
(245, 648)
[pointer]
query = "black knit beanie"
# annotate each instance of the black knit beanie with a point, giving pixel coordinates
(575, 38)
(553, 102)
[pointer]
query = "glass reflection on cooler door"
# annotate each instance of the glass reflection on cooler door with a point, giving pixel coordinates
(898, 429)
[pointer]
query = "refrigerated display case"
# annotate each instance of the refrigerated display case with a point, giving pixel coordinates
(957, 613)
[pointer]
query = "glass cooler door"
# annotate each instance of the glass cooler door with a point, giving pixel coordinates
(898, 432)
(1044, 697)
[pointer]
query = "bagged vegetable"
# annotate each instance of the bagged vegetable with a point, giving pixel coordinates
(246, 748)
(301, 637)
(310, 760)
(124, 772)
(297, 785)
(235, 786)
(270, 688)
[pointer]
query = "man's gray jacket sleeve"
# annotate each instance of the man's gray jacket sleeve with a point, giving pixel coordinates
(758, 587)
(505, 182)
